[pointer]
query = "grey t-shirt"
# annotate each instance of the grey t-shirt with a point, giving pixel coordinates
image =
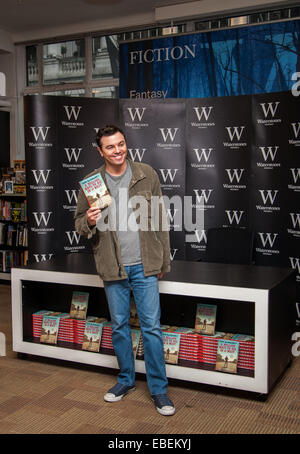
(128, 234)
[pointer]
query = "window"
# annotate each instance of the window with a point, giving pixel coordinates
(105, 92)
(105, 57)
(79, 92)
(32, 73)
(64, 62)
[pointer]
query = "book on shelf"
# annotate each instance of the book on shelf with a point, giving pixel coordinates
(135, 336)
(49, 332)
(19, 165)
(79, 305)
(92, 336)
(171, 346)
(96, 191)
(205, 322)
(227, 356)
(134, 318)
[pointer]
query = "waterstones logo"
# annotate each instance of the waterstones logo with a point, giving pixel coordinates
(203, 116)
(72, 115)
(174, 218)
(200, 240)
(41, 180)
(168, 176)
(42, 257)
(294, 230)
(295, 180)
(73, 242)
(269, 110)
(295, 264)
(234, 216)
(136, 115)
(269, 156)
(168, 136)
(72, 198)
(296, 131)
(39, 134)
(137, 154)
(42, 219)
(235, 134)
(268, 197)
(72, 156)
(173, 253)
(234, 177)
(202, 199)
(203, 157)
(267, 241)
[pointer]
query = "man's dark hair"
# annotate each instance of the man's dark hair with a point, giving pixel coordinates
(108, 130)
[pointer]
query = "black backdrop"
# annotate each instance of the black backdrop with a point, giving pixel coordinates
(240, 153)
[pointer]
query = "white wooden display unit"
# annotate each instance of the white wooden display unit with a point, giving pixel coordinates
(267, 291)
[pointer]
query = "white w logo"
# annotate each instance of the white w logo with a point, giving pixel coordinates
(296, 129)
(72, 111)
(204, 153)
(72, 154)
(170, 215)
(234, 216)
(234, 174)
(40, 131)
(136, 112)
(270, 108)
(201, 236)
(167, 173)
(270, 152)
(295, 263)
(39, 217)
(39, 174)
(169, 133)
(205, 111)
(270, 195)
(268, 238)
(42, 257)
(204, 195)
(138, 153)
(296, 174)
(72, 195)
(295, 219)
(235, 131)
(73, 236)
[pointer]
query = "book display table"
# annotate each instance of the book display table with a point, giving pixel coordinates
(252, 300)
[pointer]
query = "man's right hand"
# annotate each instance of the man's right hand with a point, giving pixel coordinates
(92, 215)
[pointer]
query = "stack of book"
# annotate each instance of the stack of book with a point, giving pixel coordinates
(208, 347)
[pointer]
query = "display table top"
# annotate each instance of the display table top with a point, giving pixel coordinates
(246, 276)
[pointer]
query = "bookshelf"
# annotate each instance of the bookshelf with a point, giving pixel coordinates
(252, 299)
(13, 232)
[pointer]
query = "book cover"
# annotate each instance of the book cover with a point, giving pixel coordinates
(92, 336)
(79, 305)
(134, 318)
(135, 336)
(96, 191)
(171, 347)
(227, 356)
(205, 322)
(49, 332)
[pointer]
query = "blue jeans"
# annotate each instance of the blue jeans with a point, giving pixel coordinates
(146, 296)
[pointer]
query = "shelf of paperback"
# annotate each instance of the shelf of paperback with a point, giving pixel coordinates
(214, 333)
(13, 233)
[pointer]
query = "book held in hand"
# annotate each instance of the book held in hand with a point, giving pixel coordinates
(206, 318)
(96, 191)
(227, 356)
(79, 305)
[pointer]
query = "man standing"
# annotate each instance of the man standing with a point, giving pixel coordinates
(131, 258)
